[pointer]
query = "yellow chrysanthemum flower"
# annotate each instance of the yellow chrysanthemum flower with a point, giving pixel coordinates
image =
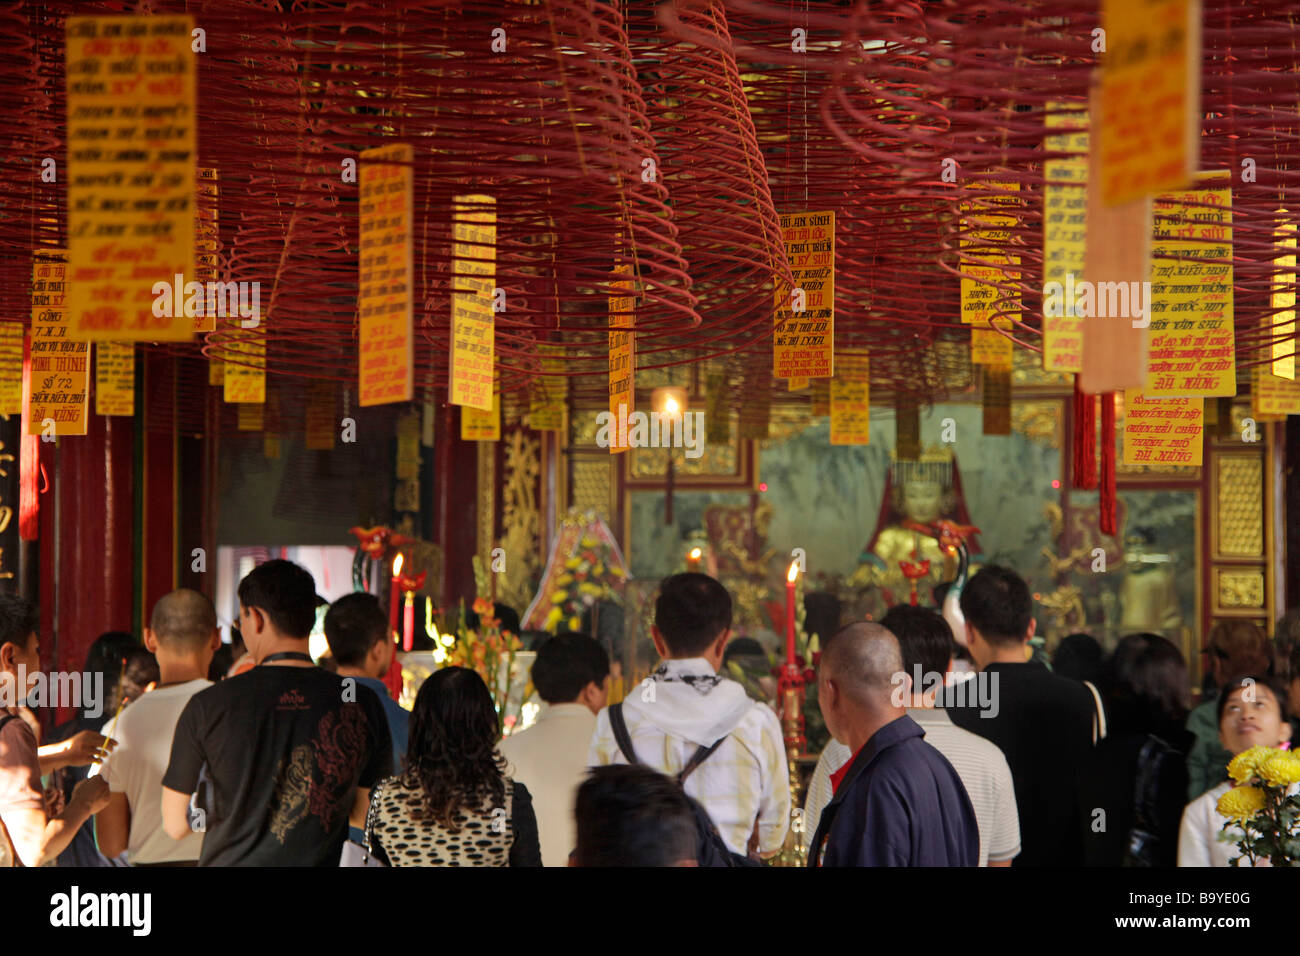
(1243, 766)
(1281, 769)
(572, 563)
(1241, 803)
(552, 619)
(575, 624)
(559, 597)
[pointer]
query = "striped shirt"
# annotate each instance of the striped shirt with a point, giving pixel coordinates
(745, 783)
(980, 765)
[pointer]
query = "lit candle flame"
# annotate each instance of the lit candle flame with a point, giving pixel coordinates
(794, 572)
(695, 554)
(670, 406)
(397, 564)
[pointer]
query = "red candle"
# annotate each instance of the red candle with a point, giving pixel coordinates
(789, 616)
(408, 622)
(394, 592)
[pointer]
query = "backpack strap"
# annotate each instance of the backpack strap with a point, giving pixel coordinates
(619, 726)
(1098, 713)
(624, 740)
(701, 754)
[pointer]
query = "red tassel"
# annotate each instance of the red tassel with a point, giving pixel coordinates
(1106, 521)
(29, 461)
(1085, 439)
(393, 679)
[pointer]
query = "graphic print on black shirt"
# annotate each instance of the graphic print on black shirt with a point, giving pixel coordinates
(285, 754)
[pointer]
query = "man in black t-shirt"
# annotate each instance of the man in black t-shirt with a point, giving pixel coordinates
(1041, 722)
(291, 750)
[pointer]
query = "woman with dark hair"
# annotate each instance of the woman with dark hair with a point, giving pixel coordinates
(1134, 782)
(453, 805)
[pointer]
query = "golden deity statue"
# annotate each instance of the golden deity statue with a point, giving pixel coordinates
(917, 494)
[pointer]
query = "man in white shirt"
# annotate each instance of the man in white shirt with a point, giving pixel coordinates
(925, 640)
(183, 635)
(571, 674)
(686, 704)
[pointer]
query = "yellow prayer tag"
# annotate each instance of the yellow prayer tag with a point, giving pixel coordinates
(206, 242)
(984, 261)
(131, 177)
(1065, 209)
(1281, 325)
(622, 355)
(1273, 397)
(803, 343)
(319, 422)
(546, 400)
(1192, 337)
(473, 322)
(478, 425)
(384, 285)
(11, 368)
(245, 367)
(250, 417)
(114, 378)
(408, 447)
(1166, 431)
(1150, 118)
(990, 347)
(850, 400)
(60, 364)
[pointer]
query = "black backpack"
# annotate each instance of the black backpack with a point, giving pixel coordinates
(1144, 844)
(710, 849)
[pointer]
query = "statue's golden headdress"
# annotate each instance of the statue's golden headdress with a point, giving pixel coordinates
(934, 464)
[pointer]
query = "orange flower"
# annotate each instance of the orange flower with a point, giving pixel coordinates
(482, 606)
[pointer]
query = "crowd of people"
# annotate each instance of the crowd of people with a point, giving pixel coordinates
(1097, 760)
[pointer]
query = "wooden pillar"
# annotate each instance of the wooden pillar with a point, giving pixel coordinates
(157, 524)
(455, 496)
(85, 541)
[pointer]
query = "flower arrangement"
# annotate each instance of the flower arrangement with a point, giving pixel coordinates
(588, 576)
(488, 651)
(1264, 805)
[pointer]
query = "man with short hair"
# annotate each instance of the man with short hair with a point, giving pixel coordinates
(183, 635)
(571, 674)
(632, 816)
(356, 628)
(28, 835)
(687, 705)
(1042, 723)
(290, 753)
(926, 644)
(898, 801)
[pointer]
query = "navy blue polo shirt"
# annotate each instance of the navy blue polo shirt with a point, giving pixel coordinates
(901, 803)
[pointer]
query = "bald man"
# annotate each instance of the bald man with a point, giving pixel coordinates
(183, 635)
(898, 801)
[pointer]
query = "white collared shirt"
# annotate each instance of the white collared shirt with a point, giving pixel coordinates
(550, 759)
(744, 784)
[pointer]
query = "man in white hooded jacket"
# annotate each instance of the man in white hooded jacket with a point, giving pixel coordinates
(686, 704)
